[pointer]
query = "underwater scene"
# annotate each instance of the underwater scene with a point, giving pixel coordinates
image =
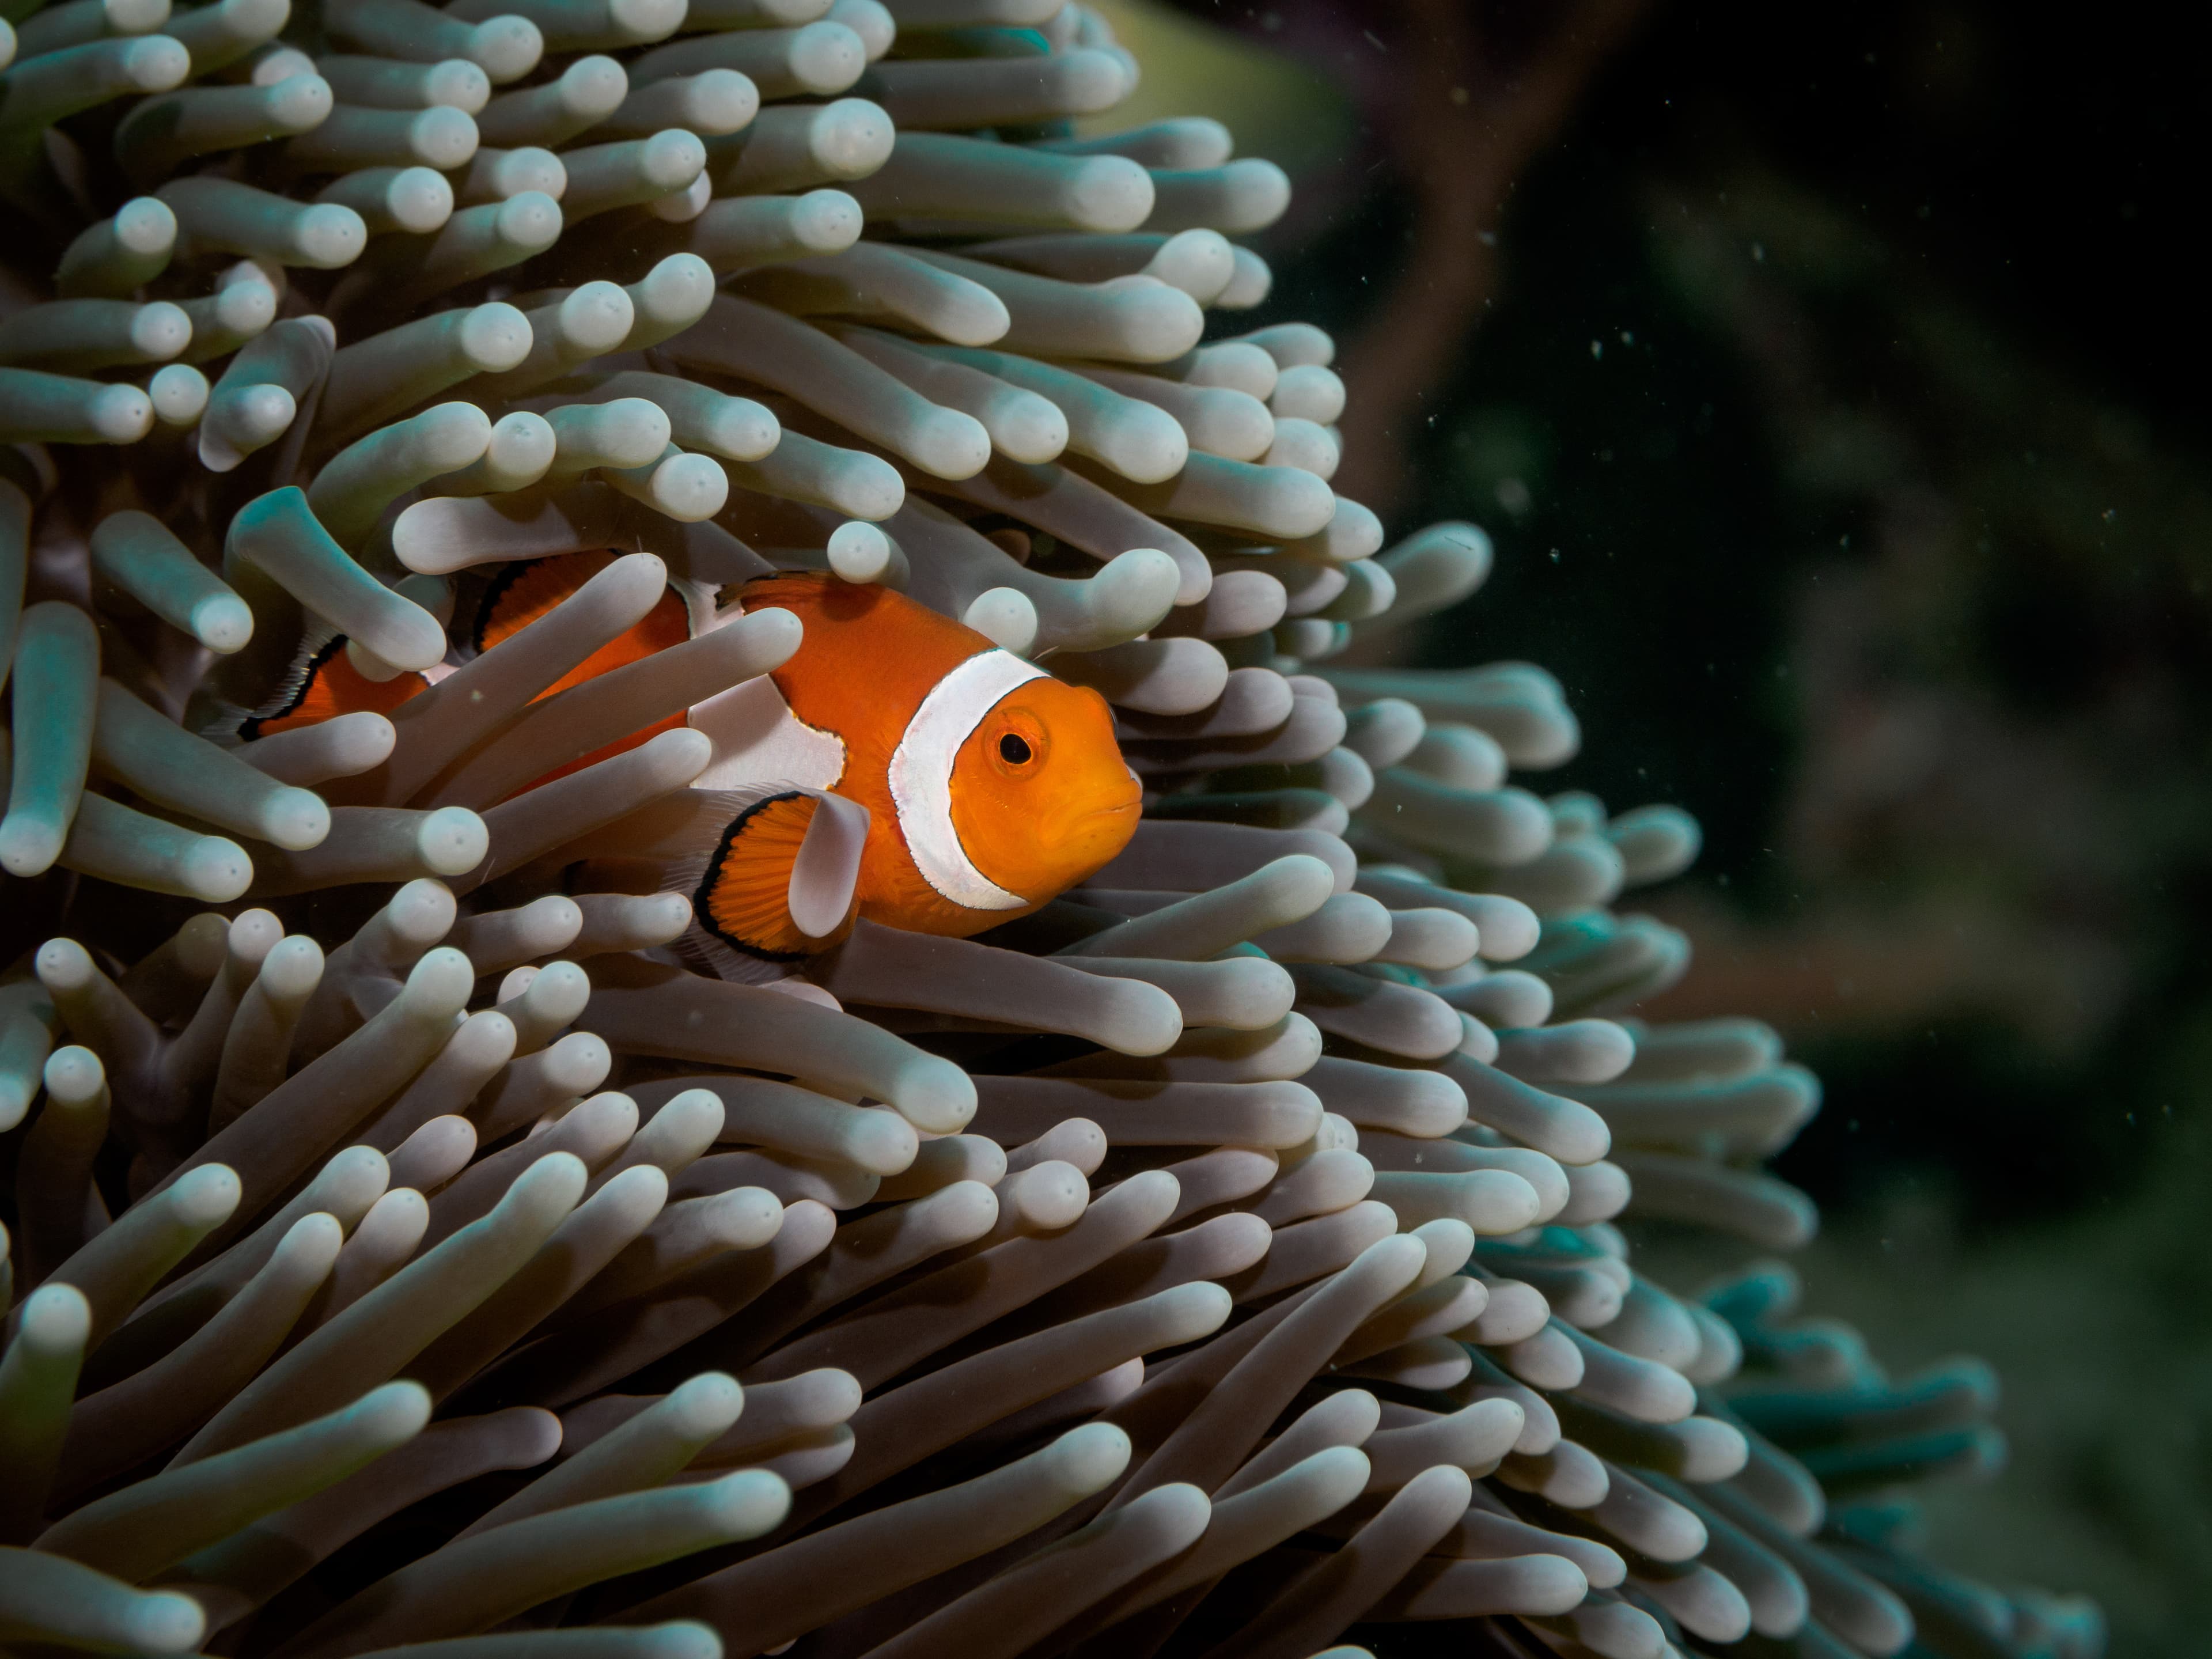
(998, 828)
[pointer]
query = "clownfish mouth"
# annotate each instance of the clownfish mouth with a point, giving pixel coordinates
(1131, 801)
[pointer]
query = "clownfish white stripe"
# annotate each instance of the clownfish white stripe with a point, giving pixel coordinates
(757, 739)
(921, 775)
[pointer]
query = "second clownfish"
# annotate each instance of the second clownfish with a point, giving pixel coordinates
(324, 682)
(900, 768)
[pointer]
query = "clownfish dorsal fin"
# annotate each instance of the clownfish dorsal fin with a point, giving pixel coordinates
(781, 881)
(495, 602)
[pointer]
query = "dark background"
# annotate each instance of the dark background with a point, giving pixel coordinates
(1830, 379)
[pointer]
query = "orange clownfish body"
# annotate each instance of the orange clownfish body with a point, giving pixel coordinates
(989, 786)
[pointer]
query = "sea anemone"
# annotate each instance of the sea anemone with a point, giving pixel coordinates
(1217, 1261)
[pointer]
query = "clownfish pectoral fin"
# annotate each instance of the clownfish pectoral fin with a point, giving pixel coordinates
(780, 882)
(827, 872)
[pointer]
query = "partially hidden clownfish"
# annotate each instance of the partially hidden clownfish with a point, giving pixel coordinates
(935, 782)
(489, 607)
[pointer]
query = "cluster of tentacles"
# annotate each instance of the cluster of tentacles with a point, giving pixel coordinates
(409, 1248)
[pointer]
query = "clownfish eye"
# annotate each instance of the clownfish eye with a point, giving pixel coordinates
(1014, 749)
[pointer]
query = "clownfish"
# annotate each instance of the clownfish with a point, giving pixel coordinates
(899, 767)
(323, 683)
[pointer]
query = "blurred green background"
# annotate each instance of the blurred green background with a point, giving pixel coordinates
(1831, 379)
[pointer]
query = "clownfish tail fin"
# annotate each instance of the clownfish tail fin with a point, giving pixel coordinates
(218, 719)
(317, 645)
